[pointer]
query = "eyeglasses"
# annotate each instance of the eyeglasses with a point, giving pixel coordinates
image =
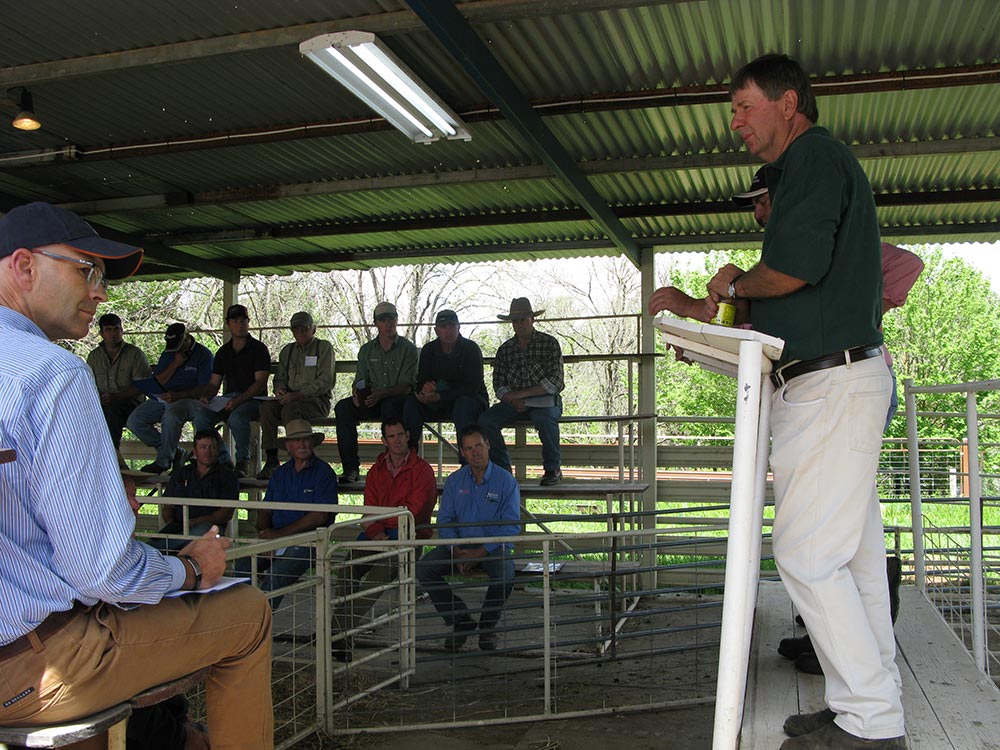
(94, 273)
(383, 318)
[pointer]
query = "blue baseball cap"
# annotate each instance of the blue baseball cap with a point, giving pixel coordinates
(39, 224)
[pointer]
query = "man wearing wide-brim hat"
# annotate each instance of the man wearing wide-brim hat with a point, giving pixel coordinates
(527, 379)
(304, 478)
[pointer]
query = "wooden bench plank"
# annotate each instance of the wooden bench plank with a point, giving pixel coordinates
(772, 692)
(949, 704)
(62, 735)
(964, 700)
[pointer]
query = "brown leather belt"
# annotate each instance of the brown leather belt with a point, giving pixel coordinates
(825, 362)
(48, 627)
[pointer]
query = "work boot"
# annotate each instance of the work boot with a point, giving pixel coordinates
(831, 737)
(155, 468)
(798, 724)
(809, 663)
(242, 469)
(793, 648)
(551, 476)
(349, 476)
(894, 571)
(269, 465)
(458, 637)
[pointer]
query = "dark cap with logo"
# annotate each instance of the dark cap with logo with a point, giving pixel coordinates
(176, 332)
(39, 224)
(758, 186)
(446, 317)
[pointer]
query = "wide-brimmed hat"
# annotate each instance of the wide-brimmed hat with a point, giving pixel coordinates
(758, 186)
(39, 224)
(300, 428)
(519, 307)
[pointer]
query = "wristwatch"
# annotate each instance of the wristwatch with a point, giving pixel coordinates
(196, 569)
(732, 288)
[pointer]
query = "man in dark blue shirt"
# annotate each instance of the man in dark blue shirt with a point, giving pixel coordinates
(450, 382)
(304, 478)
(182, 372)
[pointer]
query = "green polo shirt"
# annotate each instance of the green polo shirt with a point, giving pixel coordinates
(824, 231)
(384, 369)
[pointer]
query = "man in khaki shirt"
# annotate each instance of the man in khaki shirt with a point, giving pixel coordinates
(303, 386)
(116, 364)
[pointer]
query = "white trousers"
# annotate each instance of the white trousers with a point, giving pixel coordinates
(826, 429)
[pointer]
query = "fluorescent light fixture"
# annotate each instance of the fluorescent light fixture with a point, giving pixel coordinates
(370, 71)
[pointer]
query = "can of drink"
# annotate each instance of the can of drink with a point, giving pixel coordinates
(726, 314)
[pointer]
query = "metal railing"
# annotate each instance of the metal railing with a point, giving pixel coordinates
(970, 577)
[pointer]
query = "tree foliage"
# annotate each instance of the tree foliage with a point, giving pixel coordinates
(946, 333)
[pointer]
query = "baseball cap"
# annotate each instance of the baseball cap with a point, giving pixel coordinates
(758, 186)
(301, 318)
(108, 319)
(385, 308)
(176, 332)
(38, 224)
(445, 317)
(236, 311)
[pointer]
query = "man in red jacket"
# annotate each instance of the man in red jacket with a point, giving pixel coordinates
(399, 478)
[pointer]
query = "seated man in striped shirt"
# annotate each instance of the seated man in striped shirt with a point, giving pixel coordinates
(68, 588)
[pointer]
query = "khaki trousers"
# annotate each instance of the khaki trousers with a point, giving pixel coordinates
(826, 430)
(274, 415)
(106, 655)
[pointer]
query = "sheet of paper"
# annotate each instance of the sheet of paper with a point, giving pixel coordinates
(217, 403)
(224, 583)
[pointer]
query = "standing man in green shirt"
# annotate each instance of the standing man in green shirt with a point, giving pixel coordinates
(387, 370)
(116, 365)
(303, 386)
(818, 286)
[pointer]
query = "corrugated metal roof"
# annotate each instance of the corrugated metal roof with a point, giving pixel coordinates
(359, 190)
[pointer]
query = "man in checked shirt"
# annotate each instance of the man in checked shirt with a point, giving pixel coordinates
(527, 379)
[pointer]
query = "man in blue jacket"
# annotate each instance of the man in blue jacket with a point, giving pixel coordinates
(182, 372)
(479, 500)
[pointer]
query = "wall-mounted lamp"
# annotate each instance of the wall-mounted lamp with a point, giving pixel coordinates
(370, 70)
(25, 118)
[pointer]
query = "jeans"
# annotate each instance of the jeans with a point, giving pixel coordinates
(239, 420)
(348, 415)
(142, 421)
(435, 565)
(546, 421)
(116, 415)
(278, 571)
(463, 411)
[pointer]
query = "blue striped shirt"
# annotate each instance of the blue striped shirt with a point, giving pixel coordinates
(65, 524)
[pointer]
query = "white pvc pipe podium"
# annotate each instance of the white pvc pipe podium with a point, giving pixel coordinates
(740, 353)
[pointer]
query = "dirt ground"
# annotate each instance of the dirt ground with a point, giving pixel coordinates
(666, 652)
